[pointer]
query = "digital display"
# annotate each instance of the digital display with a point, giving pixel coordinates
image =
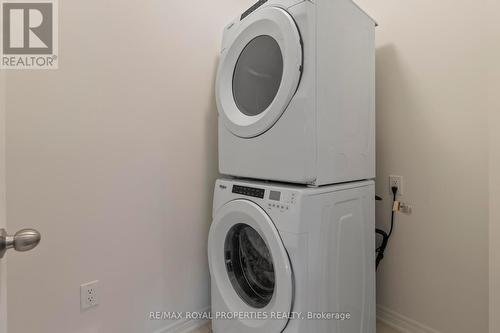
(275, 195)
(249, 191)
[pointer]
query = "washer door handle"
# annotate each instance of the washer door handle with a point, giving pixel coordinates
(24, 240)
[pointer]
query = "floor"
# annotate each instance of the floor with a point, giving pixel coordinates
(381, 328)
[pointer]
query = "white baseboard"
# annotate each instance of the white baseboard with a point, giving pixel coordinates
(401, 323)
(185, 325)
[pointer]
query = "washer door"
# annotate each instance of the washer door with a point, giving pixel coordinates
(259, 73)
(250, 266)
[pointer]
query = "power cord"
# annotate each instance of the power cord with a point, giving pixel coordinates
(386, 236)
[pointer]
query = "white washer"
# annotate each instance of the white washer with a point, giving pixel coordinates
(295, 92)
(278, 250)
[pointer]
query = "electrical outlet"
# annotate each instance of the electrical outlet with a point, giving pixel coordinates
(406, 208)
(89, 295)
(396, 181)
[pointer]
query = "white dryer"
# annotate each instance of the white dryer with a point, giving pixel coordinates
(284, 258)
(295, 92)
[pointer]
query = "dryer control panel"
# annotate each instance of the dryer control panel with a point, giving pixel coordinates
(252, 9)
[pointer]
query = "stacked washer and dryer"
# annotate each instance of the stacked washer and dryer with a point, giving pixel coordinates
(292, 243)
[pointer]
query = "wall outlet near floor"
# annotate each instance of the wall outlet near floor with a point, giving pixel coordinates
(89, 295)
(396, 181)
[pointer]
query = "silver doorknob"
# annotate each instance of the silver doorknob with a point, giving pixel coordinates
(24, 240)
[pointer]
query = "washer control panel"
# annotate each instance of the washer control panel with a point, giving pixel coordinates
(249, 191)
(272, 200)
(280, 200)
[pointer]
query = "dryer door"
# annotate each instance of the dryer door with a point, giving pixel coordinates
(259, 73)
(250, 266)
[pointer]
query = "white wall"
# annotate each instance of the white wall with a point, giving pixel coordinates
(432, 129)
(113, 158)
(494, 121)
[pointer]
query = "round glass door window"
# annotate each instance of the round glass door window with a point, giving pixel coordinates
(249, 265)
(257, 75)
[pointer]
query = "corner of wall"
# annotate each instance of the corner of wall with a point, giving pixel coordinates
(400, 322)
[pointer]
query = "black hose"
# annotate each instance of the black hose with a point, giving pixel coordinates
(386, 236)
